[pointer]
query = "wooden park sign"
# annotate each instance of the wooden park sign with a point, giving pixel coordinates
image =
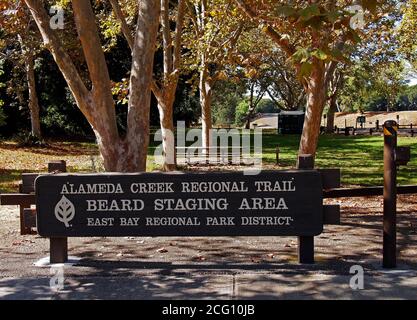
(271, 203)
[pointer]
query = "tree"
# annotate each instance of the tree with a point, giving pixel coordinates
(269, 67)
(165, 89)
(336, 82)
(226, 96)
(242, 110)
(22, 36)
(314, 37)
(256, 93)
(210, 40)
(407, 33)
(120, 153)
(373, 86)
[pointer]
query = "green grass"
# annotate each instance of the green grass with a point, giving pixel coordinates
(359, 157)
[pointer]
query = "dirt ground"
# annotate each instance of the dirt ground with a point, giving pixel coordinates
(358, 240)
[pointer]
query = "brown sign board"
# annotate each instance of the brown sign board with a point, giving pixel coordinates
(271, 203)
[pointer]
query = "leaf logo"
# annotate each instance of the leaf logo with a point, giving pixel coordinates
(64, 211)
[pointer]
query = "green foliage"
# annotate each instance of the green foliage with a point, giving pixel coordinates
(267, 106)
(407, 33)
(241, 113)
(25, 139)
(186, 105)
(226, 97)
(376, 87)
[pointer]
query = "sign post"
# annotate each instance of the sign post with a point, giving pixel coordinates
(305, 243)
(58, 247)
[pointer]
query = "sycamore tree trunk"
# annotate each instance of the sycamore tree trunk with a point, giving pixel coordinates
(331, 113)
(140, 84)
(205, 89)
(316, 98)
(168, 136)
(127, 154)
(165, 91)
(33, 97)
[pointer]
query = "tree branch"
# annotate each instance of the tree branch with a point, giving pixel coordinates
(61, 57)
(167, 41)
(193, 17)
(157, 91)
(178, 34)
(268, 29)
(121, 17)
(85, 21)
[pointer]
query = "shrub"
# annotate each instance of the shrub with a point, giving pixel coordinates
(29, 140)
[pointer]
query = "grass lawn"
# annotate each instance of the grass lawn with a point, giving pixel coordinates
(359, 157)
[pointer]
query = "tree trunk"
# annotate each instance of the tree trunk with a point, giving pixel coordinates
(33, 97)
(249, 115)
(168, 136)
(316, 99)
(123, 155)
(206, 119)
(331, 113)
(141, 79)
(165, 94)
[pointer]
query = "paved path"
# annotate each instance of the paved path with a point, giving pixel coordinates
(221, 267)
(90, 281)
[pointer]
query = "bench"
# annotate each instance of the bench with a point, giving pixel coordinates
(216, 155)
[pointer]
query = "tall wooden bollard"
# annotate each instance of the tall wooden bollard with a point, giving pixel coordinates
(390, 196)
(305, 243)
(58, 247)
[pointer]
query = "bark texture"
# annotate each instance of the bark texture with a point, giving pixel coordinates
(123, 154)
(316, 98)
(33, 97)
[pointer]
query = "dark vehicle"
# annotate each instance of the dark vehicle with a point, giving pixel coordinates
(291, 122)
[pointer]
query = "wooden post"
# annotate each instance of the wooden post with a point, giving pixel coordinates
(24, 230)
(390, 195)
(58, 250)
(58, 247)
(305, 243)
